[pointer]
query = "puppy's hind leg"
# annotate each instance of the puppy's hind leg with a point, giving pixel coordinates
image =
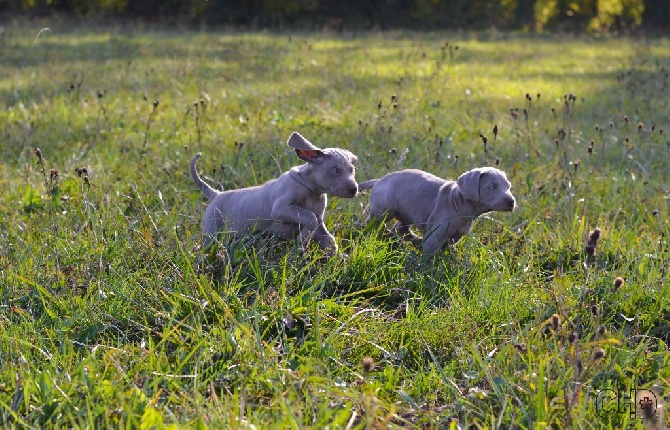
(376, 219)
(402, 229)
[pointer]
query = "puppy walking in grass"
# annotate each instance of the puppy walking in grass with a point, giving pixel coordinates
(291, 205)
(443, 210)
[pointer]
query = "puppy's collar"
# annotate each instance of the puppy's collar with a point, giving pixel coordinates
(298, 179)
(453, 200)
(457, 208)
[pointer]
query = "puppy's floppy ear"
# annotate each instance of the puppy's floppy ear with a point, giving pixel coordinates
(304, 148)
(468, 183)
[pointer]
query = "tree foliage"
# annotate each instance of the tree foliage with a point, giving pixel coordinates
(534, 15)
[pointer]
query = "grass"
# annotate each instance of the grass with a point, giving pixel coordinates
(112, 317)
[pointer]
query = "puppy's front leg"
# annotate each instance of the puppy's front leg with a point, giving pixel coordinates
(433, 239)
(305, 219)
(325, 240)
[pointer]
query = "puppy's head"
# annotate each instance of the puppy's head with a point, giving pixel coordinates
(488, 187)
(333, 169)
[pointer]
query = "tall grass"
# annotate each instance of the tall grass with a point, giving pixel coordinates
(112, 316)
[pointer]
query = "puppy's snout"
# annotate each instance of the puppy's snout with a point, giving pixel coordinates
(353, 190)
(511, 203)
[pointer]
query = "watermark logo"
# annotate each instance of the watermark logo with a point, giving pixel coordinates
(638, 404)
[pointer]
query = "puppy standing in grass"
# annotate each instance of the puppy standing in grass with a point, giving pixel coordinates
(291, 205)
(443, 210)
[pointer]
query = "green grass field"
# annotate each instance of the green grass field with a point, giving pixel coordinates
(111, 316)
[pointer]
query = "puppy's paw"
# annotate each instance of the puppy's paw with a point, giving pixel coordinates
(332, 251)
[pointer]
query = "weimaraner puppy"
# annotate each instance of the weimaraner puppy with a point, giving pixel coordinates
(291, 205)
(443, 210)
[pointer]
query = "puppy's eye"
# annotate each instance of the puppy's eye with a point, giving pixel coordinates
(493, 186)
(335, 170)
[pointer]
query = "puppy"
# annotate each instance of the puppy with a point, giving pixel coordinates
(291, 205)
(443, 210)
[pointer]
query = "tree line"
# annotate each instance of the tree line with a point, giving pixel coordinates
(531, 15)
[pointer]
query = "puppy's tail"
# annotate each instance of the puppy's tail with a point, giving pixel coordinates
(208, 191)
(367, 184)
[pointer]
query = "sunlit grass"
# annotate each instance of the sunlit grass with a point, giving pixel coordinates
(111, 315)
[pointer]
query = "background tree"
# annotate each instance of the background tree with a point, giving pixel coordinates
(531, 15)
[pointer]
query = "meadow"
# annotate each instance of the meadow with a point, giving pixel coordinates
(112, 315)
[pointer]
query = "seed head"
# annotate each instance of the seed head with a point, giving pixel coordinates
(495, 130)
(595, 235)
(590, 248)
(602, 330)
(368, 364)
(572, 337)
(618, 282)
(598, 354)
(393, 151)
(555, 321)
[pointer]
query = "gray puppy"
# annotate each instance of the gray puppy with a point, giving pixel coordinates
(291, 205)
(444, 210)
